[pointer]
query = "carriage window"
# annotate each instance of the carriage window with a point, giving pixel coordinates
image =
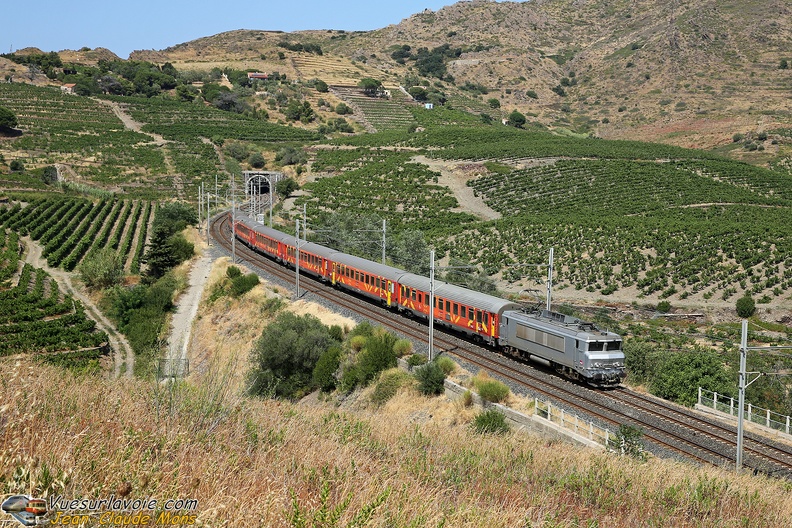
(456, 309)
(486, 319)
(412, 294)
(464, 312)
(478, 317)
(378, 283)
(402, 291)
(448, 306)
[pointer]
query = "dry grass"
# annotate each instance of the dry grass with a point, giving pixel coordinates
(200, 439)
(253, 463)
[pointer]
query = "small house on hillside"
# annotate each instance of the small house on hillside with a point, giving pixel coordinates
(258, 75)
(68, 88)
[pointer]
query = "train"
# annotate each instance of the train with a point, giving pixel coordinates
(575, 348)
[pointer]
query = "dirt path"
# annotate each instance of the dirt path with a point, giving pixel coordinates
(186, 310)
(455, 178)
(123, 356)
(160, 141)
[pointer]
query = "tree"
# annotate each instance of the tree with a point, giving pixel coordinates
(418, 93)
(287, 353)
(370, 86)
(17, 166)
(746, 306)
(783, 65)
(8, 119)
(290, 156)
(516, 119)
(256, 160)
(410, 251)
(49, 175)
(681, 374)
(321, 86)
(493, 103)
(343, 109)
(187, 92)
(102, 269)
(286, 186)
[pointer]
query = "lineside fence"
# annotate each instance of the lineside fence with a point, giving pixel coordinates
(571, 422)
(757, 415)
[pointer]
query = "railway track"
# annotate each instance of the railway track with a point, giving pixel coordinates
(669, 429)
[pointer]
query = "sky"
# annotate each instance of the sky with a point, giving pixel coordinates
(125, 26)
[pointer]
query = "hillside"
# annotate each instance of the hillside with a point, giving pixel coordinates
(685, 73)
(414, 461)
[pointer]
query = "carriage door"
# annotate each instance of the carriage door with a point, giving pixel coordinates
(389, 292)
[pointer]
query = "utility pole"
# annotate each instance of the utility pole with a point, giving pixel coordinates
(233, 218)
(550, 281)
(743, 384)
(383, 241)
(431, 303)
(297, 261)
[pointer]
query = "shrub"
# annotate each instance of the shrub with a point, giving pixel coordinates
(446, 364)
(233, 272)
(286, 354)
(467, 398)
(17, 166)
(244, 283)
(402, 347)
(256, 160)
(492, 390)
(102, 269)
(737, 137)
(416, 360)
(390, 381)
(377, 356)
(746, 306)
(357, 342)
(323, 375)
(490, 421)
(430, 379)
(664, 307)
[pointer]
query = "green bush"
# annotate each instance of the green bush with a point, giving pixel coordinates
(746, 306)
(416, 360)
(324, 372)
(233, 272)
(490, 421)
(244, 283)
(492, 390)
(377, 356)
(390, 381)
(679, 375)
(286, 354)
(430, 379)
(664, 307)
(402, 347)
(446, 364)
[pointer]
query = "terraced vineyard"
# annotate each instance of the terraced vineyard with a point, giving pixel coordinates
(78, 131)
(70, 229)
(35, 317)
(404, 193)
(381, 113)
(624, 217)
(334, 70)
